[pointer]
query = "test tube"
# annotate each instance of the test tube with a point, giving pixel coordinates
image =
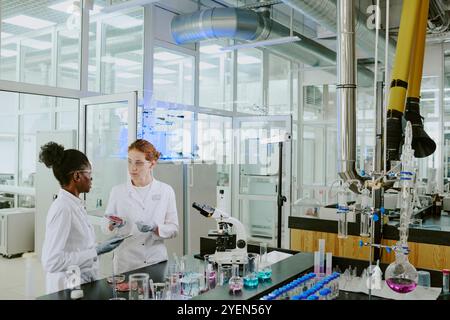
(365, 217)
(322, 256)
(365, 224)
(316, 262)
(329, 263)
(342, 225)
(342, 210)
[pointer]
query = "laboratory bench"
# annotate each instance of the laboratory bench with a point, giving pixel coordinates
(282, 273)
(429, 241)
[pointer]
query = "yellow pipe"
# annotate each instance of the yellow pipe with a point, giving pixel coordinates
(400, 73)
(416, 68)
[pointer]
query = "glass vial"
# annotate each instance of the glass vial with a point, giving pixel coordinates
(445, 280)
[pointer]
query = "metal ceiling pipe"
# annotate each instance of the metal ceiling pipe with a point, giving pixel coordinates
(346, 91)
(233, 23)
(244, 24)
(324, 13)
(438, 19)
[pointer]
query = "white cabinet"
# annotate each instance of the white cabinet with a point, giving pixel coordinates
(16, 231)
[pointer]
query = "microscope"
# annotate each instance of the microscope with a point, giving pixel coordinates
(231, 247)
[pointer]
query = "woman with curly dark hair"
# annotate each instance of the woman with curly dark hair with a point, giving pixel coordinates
(69, 237)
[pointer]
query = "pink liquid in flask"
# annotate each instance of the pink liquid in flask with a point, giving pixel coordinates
(401, 285)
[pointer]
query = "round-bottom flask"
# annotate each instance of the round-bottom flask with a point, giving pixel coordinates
(401, 276)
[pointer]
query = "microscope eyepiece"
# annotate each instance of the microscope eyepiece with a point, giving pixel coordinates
(204, 209)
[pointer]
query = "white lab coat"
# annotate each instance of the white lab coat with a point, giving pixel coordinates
(159, 206)
(69, 240)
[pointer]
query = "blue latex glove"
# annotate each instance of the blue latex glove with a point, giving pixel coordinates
(146, 227)
(108, 245)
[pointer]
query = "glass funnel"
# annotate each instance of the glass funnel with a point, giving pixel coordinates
(401, 276)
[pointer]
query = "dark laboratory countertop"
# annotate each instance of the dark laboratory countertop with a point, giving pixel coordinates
(101, 290)
(282, 272)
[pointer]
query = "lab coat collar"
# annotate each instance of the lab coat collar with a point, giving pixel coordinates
(130, 185)
(133, 193)
(75, 200)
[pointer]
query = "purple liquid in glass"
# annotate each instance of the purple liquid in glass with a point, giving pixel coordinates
(401, 285)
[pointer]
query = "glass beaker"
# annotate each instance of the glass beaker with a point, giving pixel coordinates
(159, 290)
(236, 283)
(139, 285)
(174, 279)
(251, 271)
(224, 274)
(190, 284)
(265, 269)
(209, 272)
(424, 279)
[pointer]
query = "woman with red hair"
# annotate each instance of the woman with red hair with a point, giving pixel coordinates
(144, 207)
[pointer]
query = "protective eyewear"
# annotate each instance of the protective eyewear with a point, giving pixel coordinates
(89, 172)
(137, 164)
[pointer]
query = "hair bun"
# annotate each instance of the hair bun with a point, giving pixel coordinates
(51, 154)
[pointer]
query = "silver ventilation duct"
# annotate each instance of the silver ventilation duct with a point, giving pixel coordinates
(324, 13)
(213, 23)
(438, 19)
(242, 24)
(346, 91)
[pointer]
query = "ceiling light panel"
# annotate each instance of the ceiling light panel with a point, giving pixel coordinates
(36, 44)
(123, 22)
(69, 7)
(166, 56)
(28, 22)
(163, 71)
(244, 59)
(162, 81)
(119, 61)
(127, 75)
(211, 49)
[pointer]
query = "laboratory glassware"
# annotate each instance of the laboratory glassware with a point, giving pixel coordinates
(445, 280)
(139, 286)
(265, 269)
(424, 279)
(225, 274)
(365, 213)
(342, 211)
(401, 276)
(251, 271)
(236, 283)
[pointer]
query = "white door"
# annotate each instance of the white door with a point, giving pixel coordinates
(108, 124)
(256, 179)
